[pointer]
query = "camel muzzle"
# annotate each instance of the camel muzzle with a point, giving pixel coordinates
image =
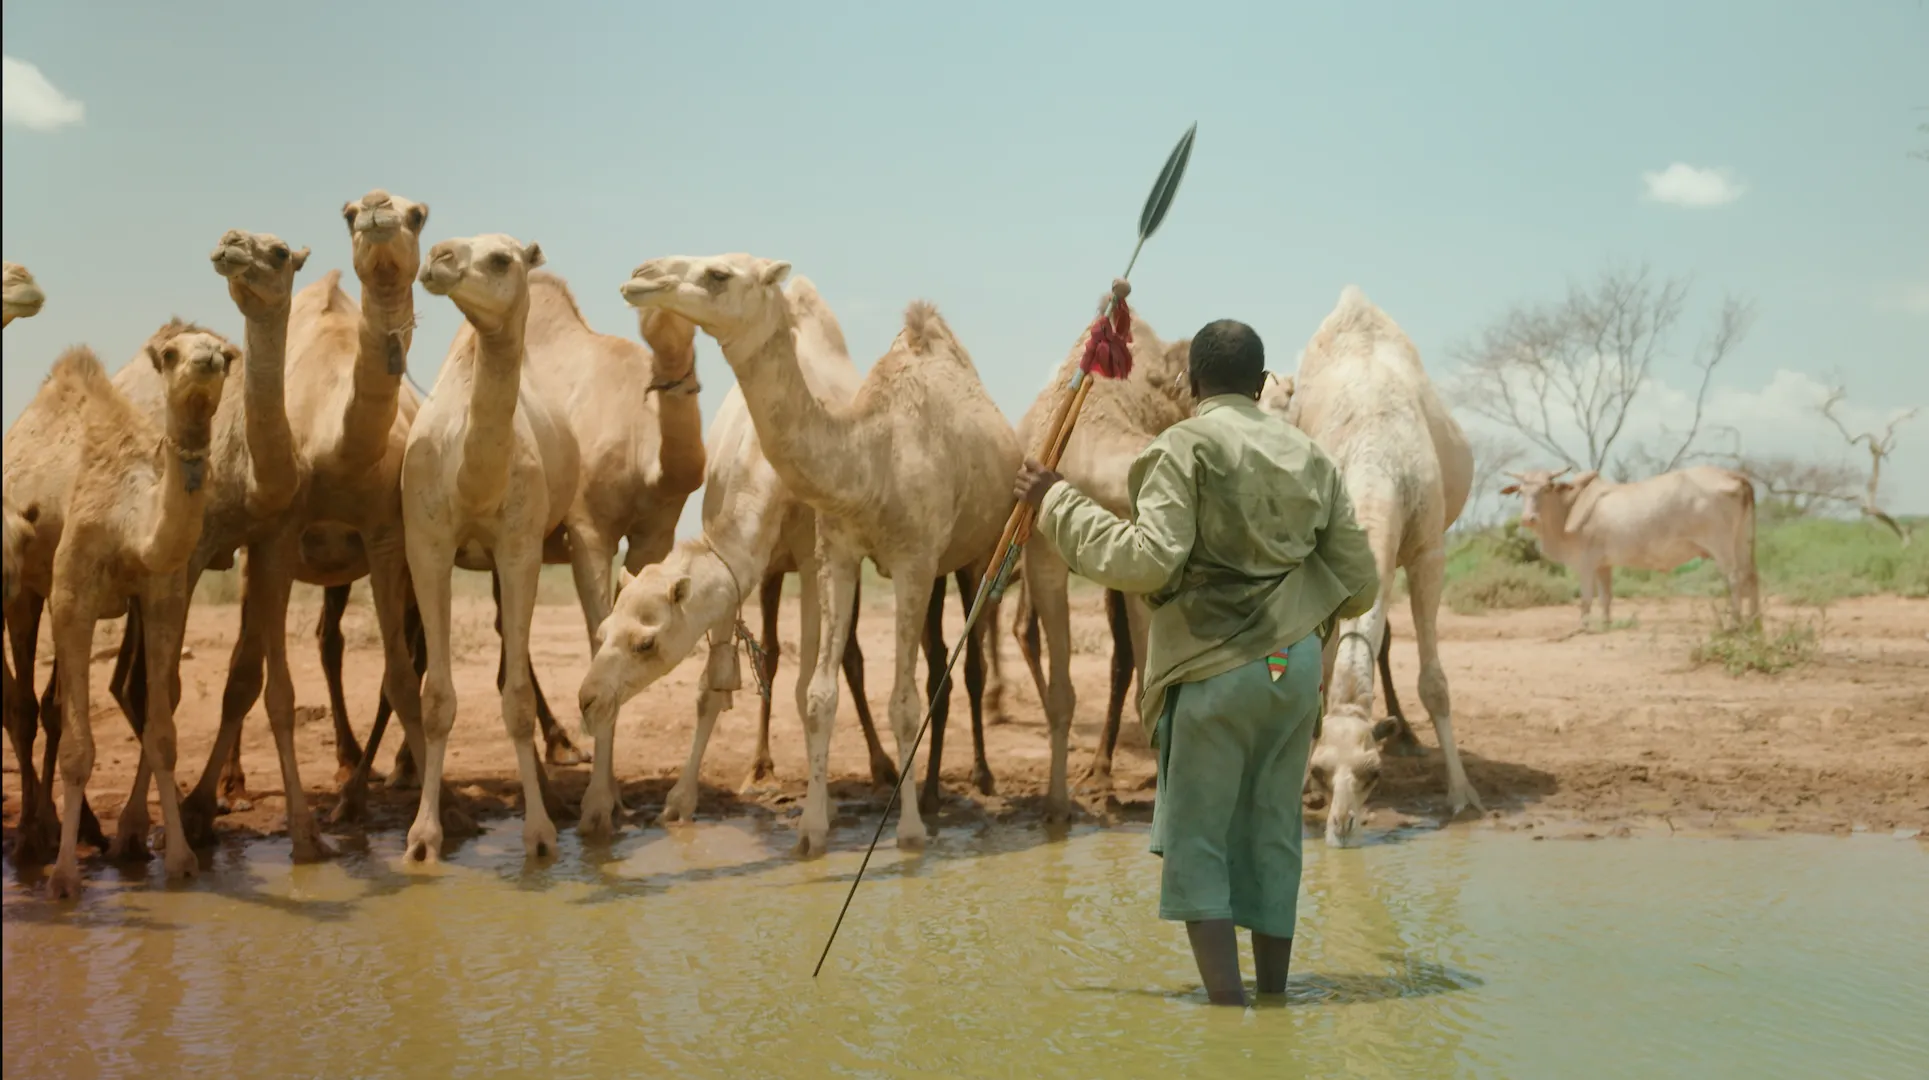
(638, 292)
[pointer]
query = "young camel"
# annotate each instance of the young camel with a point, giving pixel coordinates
(20, 296)
(489, 473)
(1121, 416)
(120, 504)
(1362, 394)
(915, 473)
(755, 530)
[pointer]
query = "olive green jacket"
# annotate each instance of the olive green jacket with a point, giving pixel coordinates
(1242, 541)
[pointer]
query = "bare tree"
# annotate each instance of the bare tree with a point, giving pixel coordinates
(1803, 487)
(1585, 360)
(1880, 447)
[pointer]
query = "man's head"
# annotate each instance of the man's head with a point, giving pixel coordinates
(1227, 358)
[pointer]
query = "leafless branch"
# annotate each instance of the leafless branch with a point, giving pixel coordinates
(1804, 487)
(1584, 361)
(1880, 447)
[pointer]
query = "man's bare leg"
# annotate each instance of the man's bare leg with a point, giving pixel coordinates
(1271, 957)
(1215, 948)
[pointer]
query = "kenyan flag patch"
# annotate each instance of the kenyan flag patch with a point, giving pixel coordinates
(1276, 664)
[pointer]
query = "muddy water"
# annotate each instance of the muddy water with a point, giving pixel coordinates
(1466, 953)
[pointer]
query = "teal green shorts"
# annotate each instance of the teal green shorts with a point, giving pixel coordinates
(1227, 818)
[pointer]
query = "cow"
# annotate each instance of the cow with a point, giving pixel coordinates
(1591, 526)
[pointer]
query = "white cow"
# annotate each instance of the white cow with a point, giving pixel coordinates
(1591, 526)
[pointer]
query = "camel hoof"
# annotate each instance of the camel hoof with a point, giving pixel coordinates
(538, 840)
(197, 820)
(130, 844)
(884, 775)
(812, 845)
(1097, 775)
(343, 773)
(913, 841)
(678, 807)
(181, 865)
(425, 846)
(928, 802)
(597, 824)
(981, 779)
(403, 775)
(64, 883)
(761, 777)
(353, 807)
(1404, 743)
(308, 845)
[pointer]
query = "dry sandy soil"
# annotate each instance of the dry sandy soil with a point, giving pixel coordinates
(1600, 733)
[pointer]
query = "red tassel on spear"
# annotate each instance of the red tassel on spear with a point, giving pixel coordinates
(1108, 354)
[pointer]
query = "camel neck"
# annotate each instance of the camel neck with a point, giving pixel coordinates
(172, 525)
(381, 359)
(673, 375)
(807, 444)
(489, 442)
(273, 471)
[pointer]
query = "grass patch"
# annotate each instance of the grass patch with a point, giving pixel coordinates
(1741, 649)
(1497, 586)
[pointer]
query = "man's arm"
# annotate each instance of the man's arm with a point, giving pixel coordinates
(1139, 556)
(1343, 546)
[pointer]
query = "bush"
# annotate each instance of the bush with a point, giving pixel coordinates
(1741, 649)
(1498, 586)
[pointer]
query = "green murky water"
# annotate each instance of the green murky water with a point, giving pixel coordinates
(1466, 953)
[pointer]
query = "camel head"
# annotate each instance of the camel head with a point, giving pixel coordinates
(22, 294)
(385, 232)
(736, 299)
(1545, 494)
(1346, 768)
(18, 525)
(260, 268)
(649, 631)
(1276, 396)
(486, 276)
(194, 361)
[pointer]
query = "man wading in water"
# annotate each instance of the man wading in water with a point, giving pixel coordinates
(1243, 543)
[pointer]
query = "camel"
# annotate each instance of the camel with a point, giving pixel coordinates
(755, 530)
(915, 473)
(254, 476)
(119, 504)
(21, 297)
(1121, 417)
(489, 473)
(1364, 397)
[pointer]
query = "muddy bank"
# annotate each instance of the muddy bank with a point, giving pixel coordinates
(1599, 732)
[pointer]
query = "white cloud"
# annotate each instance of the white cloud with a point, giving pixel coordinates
(1681, 184)
(30, 101)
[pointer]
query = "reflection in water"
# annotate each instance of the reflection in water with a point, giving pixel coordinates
(999, 952)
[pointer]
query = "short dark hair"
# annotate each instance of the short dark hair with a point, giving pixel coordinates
(1228, 357)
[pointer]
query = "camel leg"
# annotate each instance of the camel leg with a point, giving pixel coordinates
(353, 805)
(552, 802)
(884, 773)
(975, 682)
(404, 661)
(52, 721)
(129, 685)
(837, 574)
(1403, 742)
(31, 833)
(1124, 666)
(912, 587)
(1024, 627)
(520, 572)
(271, 564)
(243, 689)
(937, 691)
(73, 641)
(1046, 585)
(763, 769)
(161, 626)
(994, 648)
(429, 567)
(330, 643)
(719, 674)
(1425, 576)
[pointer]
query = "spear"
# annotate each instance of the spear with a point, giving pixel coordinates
(1106, 354)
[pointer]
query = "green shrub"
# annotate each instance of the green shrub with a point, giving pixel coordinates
(1498, 586)
(1741, 649)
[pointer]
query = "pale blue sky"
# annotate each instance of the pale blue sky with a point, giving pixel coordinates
(1451, 159)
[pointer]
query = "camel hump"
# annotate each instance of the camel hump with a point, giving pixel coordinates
(804, 296)
(1353, 297)
(925, 331)
(548, 281)
(323, 294)
(80, 368)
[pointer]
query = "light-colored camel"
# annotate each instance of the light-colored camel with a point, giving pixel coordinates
(20, 298)
(1121, 417)
(349, 412)
(755, 530)
(259, 480)
(119, 504)
(915, 473)
(1591, 526)
(1364, 397)
(489, 473)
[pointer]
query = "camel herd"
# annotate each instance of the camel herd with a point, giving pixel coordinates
(307, 450)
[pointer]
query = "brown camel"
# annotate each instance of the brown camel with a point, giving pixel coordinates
(119, 503)
(20, 297)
